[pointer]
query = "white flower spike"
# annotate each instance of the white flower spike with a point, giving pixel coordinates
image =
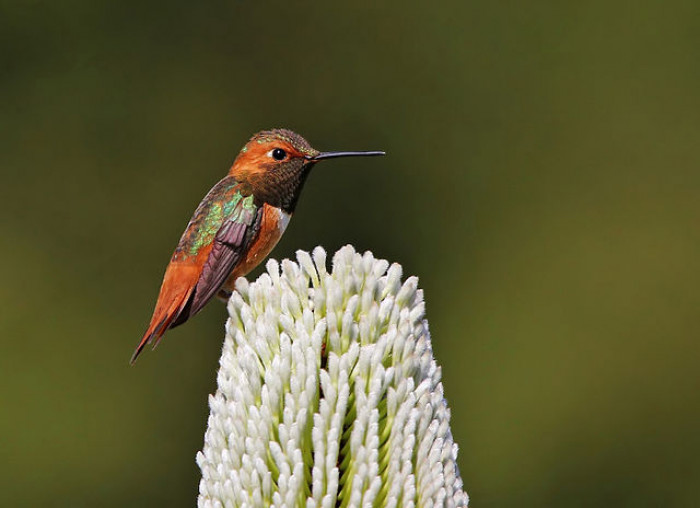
(328, 393)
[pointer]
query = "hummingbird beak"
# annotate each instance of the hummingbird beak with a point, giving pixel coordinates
(333, 155)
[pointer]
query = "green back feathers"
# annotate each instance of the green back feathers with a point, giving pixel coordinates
(225, 201)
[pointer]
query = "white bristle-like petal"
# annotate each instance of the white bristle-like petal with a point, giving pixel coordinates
(328, 390)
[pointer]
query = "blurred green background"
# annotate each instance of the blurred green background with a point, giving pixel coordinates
(542, 181)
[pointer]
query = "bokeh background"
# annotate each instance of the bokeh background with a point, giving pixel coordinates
(542, 181)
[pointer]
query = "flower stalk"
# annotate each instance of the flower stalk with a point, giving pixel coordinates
(328, 393)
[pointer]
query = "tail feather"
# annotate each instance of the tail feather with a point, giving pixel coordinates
(175, 295)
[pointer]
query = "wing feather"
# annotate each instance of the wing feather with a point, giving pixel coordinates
(230, 246)
(221, 230)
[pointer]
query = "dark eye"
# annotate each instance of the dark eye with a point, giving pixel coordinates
(278, 154)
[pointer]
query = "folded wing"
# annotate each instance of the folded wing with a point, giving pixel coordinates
(216, 239)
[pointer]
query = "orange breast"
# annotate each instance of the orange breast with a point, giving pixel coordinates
(274, 222)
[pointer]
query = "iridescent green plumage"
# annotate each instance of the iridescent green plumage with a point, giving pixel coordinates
(225, 201)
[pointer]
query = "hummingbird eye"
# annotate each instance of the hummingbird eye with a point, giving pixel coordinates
(278, 154)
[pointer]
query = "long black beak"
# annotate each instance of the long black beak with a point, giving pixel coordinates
(333, 155)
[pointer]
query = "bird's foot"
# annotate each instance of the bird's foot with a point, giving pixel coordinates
(223, 295)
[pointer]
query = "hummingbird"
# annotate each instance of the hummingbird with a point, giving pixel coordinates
(235, 226)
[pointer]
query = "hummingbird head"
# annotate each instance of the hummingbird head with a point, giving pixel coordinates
(274, 165)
